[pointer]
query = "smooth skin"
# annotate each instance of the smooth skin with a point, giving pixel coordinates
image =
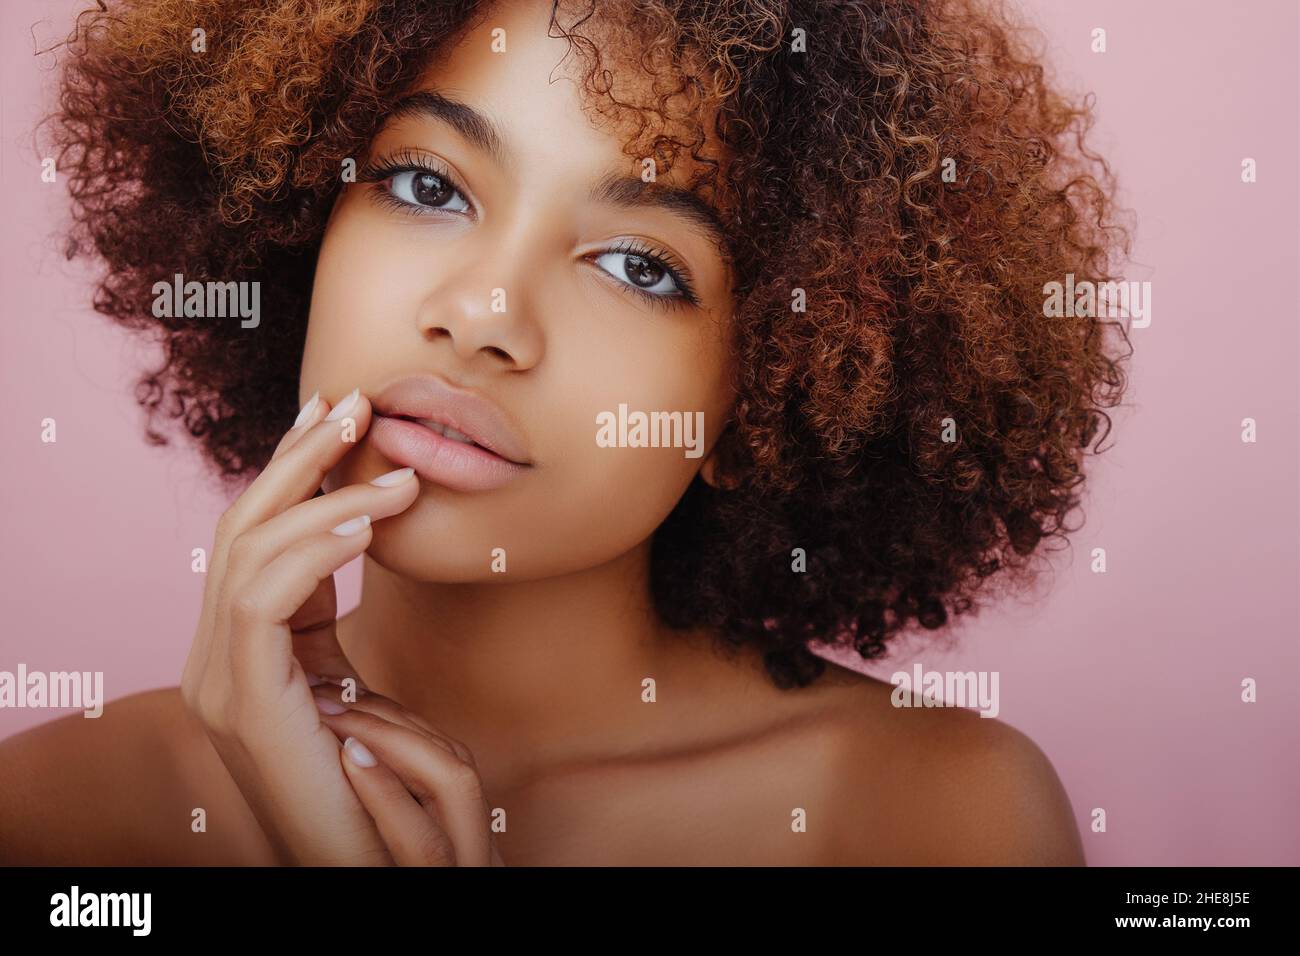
(505, 711)
(244, 742)
(268, 621)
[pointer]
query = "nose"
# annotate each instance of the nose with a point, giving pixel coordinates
(484, 311)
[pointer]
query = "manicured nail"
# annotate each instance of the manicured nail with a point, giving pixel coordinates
(393, 477)
(327, 706)
(358, 753)
(308, 410)
(343, 407)
(352, 526)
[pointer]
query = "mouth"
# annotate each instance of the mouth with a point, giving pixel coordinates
(441, 455)
(442, 429)
(450, 436)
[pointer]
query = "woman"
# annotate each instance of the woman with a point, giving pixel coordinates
(635, 347)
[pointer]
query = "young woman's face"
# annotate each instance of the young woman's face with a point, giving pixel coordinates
(501, 270)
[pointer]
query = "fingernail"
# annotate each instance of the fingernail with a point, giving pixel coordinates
(393, 477)
(358, 753)
(343, 407)
(308, 410)
(352, 526)
(327, 706)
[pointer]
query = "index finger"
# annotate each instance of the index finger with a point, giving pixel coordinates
(313, 410)
(297, 472)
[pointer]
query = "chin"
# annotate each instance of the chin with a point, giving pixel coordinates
(430, 541)
(442, 539)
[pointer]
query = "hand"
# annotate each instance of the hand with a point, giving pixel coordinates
(421, 787)
(269, 611)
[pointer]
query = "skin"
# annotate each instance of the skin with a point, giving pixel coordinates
(521, 692)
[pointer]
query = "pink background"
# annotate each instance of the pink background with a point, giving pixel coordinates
(1129, 680)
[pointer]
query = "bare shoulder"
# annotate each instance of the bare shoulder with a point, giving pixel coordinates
(122, 789)
(942, 786)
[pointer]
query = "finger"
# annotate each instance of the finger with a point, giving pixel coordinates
(231, 523)
(441, 782)
(261, 645)
(385, 707)
(313, 623)
(324, 662)
(299, 472)
(313, 410)
(391, 710)
(315, 634)
(413, 836)
(252, 550)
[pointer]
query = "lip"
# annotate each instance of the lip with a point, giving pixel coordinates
(440, 459)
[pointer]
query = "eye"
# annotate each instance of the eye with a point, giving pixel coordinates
(641, 271)
(415, 183)
(648, 272)
(423, 187)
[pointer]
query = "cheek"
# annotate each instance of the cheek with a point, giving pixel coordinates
(611, 478)
(626, 492)
(366, 289)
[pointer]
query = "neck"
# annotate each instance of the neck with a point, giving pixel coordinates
(536, 672)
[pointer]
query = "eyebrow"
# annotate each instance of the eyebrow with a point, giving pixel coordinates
(463, 118)
(612, 189)
(632, 191)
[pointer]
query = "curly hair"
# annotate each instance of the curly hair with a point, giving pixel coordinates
(901, 183)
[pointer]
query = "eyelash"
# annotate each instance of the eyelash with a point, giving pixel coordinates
(380, 169)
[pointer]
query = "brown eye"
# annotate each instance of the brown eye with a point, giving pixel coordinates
(419, 187)
(646, 274)
(643, 272)
(429, 190)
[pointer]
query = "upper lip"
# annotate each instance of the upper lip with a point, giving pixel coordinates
(431, 398)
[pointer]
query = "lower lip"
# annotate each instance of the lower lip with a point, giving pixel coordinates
(441, 460)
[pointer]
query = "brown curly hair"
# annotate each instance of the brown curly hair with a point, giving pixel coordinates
(924, 292)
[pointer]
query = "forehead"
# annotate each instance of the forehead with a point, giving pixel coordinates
(519, 70)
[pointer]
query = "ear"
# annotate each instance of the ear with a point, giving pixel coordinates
(709, 470)
(712, 471)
